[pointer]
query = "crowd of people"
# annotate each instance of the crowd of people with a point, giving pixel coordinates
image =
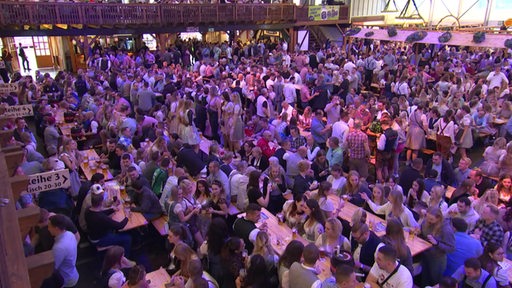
(196, 128)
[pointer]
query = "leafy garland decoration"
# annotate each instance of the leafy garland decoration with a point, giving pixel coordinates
(392, 31)
(508, 43)
(445, 37)
(416, 36)
(479, 37)
(368, 34)
(353, 31)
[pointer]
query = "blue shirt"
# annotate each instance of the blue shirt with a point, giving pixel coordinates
(508, 126)
(459, 275)
(460, 176)
(316, 127)
(64, 254)
(465, 247)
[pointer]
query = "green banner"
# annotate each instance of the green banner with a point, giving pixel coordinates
(321, 13)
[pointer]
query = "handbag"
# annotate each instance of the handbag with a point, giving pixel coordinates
(443, 142)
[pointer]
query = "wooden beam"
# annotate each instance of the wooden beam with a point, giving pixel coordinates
(40, 267)
(27, 219)
(13, 266)
(19, 184)
(13, 160)
(5, 137)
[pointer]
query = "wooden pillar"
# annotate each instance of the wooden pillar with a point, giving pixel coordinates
(293, 40)
(13, 266)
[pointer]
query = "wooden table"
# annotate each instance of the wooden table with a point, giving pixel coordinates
(65, 128)
(499, 121)
(158, 279)
(417, 245)
(449, 192)
(86, 169)
(135, 219)
(280, 235)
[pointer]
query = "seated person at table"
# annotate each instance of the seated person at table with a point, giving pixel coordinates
(364, 244)
(462, 209)
(481, 183)
(332, 237)
(355, 189)
(293, 211)
(192, 159)
(444, 169)
(345, 277)
(487, 229)
(465, 247)
(114, 261)
(84, 197)
(137, 277)
(133, 176)
(387, 272)
(195, 269)
(393, 208)
(245, 227)
(303, 182)
(461, 173)
(127, 161)
(303, 275)
(291, 254)
(146, 201)
(315, 221)
(471, 274)
(113, 156)
(101, 226)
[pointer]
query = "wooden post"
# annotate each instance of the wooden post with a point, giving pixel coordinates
(13, 266)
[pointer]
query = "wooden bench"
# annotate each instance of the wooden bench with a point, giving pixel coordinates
(160, 225)
(428, 152)
(40, 266)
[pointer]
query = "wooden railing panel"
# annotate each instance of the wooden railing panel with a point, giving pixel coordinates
(97, 14)
(40, 267)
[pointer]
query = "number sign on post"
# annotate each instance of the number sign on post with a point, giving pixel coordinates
(48, 181)
(6, 88)
(17, 111)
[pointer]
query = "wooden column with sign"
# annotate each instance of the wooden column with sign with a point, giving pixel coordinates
(15, 225)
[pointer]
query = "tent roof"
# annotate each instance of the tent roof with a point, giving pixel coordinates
(458, 38)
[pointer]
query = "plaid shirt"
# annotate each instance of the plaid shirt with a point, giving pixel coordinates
(490, 233)
(356, 141)
(297, 142)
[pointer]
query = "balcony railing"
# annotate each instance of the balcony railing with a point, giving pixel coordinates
(164, 14)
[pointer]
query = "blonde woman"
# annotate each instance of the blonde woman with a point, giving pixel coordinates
(490, 196)
(263, 247)
(332, 237)
(394, 208)
(440, 235)
(189, 132)
(437, 198)
(236, 125)
(492, 155)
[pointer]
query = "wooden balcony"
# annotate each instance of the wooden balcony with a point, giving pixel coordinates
(26, 16)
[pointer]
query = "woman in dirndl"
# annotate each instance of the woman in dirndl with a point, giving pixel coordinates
(416, 134)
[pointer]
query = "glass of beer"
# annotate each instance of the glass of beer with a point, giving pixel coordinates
(280, 218)
(294, 234)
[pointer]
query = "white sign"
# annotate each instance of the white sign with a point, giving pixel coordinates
(17, 111)
(6, 88)
(48, 181)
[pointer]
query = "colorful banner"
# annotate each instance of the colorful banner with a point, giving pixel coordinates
(322, 13)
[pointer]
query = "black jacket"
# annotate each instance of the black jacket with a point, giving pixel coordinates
(447, 175)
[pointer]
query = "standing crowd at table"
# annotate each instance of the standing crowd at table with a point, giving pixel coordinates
(246, 130)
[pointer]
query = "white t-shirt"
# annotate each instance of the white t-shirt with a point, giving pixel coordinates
(401, 279)
(495, 79)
